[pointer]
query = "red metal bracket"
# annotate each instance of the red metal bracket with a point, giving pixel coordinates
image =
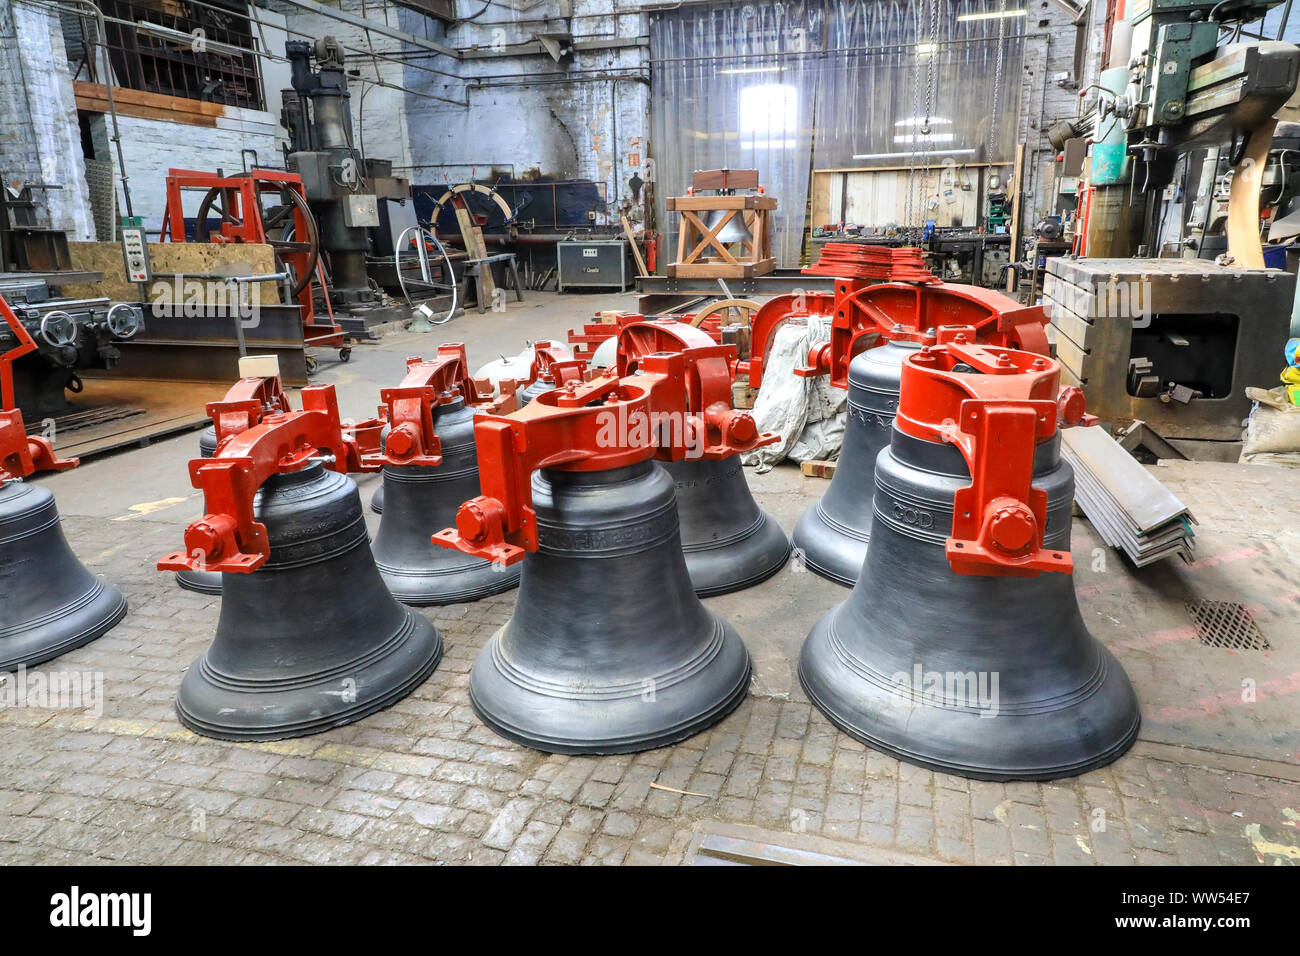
(996, 415)
(865, 313)
(228, 537)
(669, 409)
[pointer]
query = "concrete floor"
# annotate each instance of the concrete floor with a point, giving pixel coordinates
(1214, 777)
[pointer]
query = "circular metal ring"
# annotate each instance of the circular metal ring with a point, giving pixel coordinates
(124, 321)
(58, 329)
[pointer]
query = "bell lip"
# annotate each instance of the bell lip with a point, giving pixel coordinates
(416, 588)
(200, 582)
(1117, 749)
(761, 537)
(815, 516)
(115, 610)
(621, 745)
(306, 728)
(626, 743)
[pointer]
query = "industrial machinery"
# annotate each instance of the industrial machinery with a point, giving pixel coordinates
(70, 335)
(1181, 78)
(571, 478)
(884, 308)
(309, 637)
(430, 468)
(729, 541)
(1173, 343)
(25, 246)
(287, 224)
(961, 648)
(342, 187)
(49, 602)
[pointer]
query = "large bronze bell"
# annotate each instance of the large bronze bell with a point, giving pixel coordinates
(417, 498)
(890, 321)
(312, 639)
(49, 602)
(308, 637)
(609, 650)
(831, 535)
(729, 542)
(961, 647)
(202, 582)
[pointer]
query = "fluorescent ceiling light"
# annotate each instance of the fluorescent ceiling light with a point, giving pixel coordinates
(922, 139)
(942, 152)
(738, 71)
(923, 48)
(920, 121)
(994, 15)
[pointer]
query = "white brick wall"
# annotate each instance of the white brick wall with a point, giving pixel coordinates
(39, 136)
(151, 147)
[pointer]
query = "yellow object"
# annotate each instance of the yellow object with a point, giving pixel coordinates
(1291, 375)
(1293, 393)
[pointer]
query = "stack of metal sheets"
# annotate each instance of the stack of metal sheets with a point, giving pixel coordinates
(1127, 505)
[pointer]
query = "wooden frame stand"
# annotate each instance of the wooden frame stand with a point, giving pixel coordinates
(701, 253)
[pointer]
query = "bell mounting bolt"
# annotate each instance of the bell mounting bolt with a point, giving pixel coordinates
(923, 310)
(996, 405)
(228, 538)
(676, 405)
(21, 454)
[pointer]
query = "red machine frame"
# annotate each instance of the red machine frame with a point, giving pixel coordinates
(242, 223)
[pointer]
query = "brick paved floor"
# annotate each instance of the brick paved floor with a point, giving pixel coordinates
(424, 781)
(1214, 778)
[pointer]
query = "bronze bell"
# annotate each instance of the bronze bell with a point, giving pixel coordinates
(49, 602)
(735, 229)
(418, 498)
(876, 329)
(961, 647)
(308, 637)
(729, 542)
(609, 649)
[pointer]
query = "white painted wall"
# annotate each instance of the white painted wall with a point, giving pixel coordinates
(151, 147)
(40, 140)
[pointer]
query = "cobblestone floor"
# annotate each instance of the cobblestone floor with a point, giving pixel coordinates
(426, 782)
(1213, 778)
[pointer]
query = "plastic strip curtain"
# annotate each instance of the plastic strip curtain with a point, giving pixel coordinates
(826, 84)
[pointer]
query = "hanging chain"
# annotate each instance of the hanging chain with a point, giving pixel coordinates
(911, 130)
(931, 91)
(997, 81)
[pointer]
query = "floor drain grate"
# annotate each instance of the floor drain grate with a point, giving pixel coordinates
(1227, 624)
